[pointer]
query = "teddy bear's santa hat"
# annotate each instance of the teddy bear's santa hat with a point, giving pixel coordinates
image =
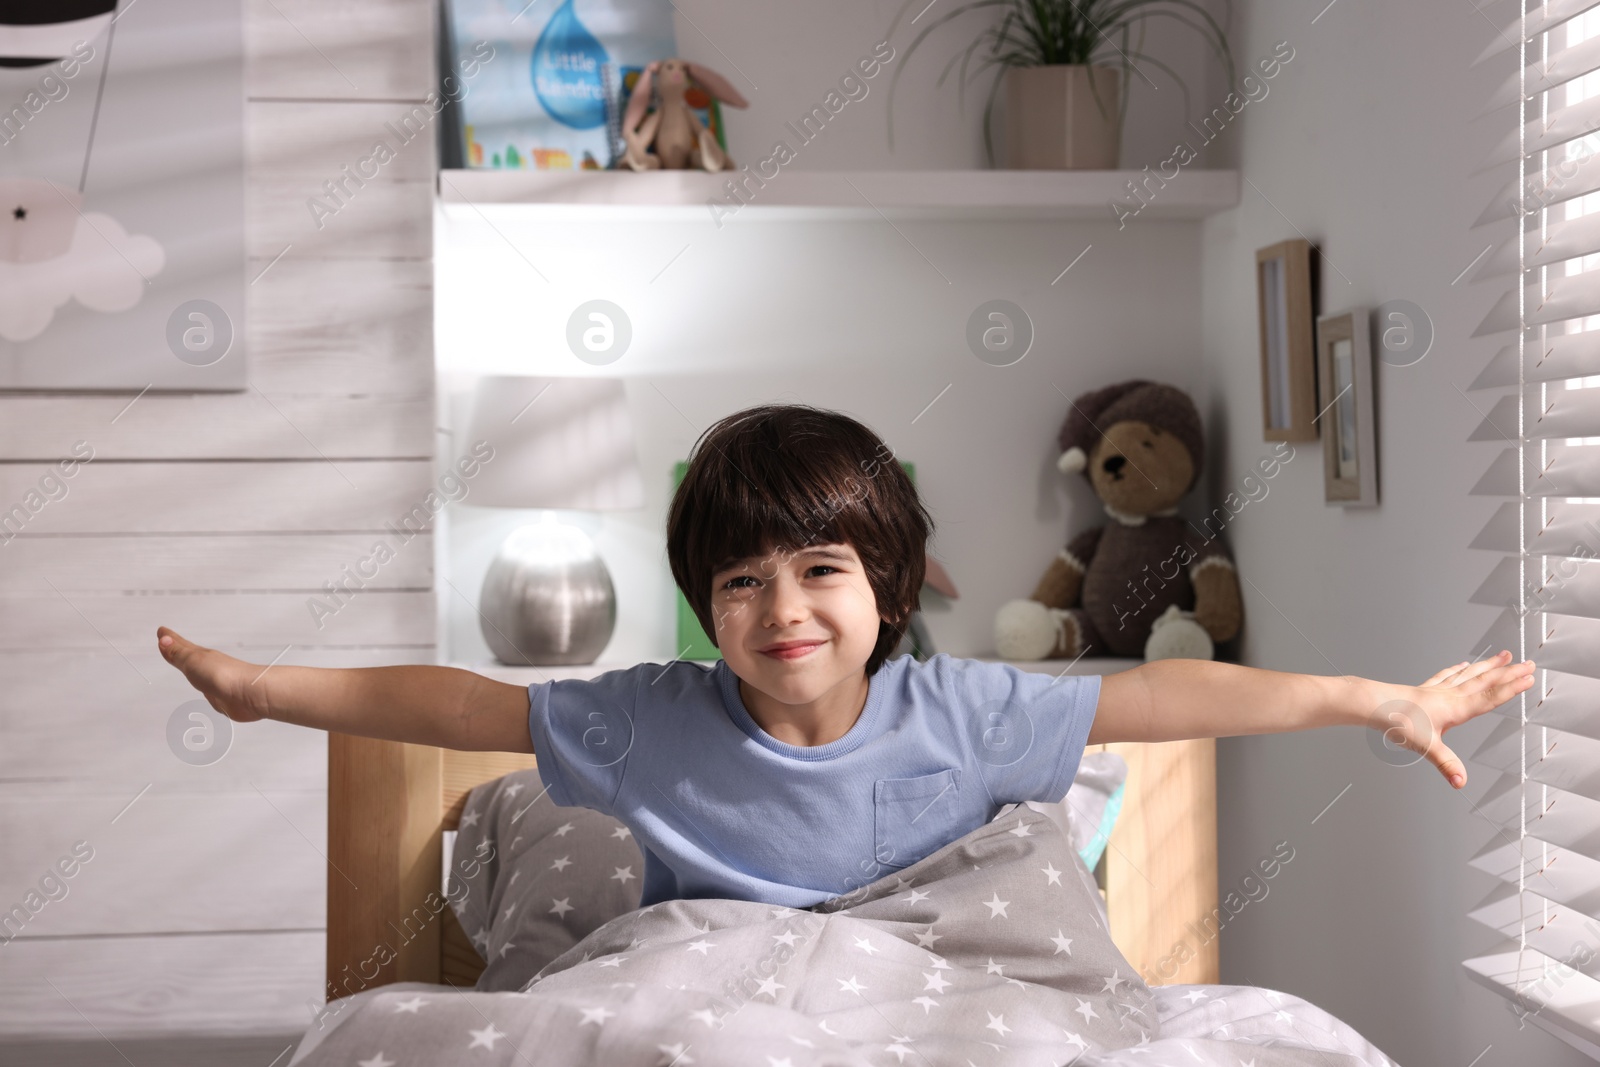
(1164, 407)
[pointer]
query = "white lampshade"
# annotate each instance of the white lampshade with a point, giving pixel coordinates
(558, 443)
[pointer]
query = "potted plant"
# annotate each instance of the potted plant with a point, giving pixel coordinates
(1065, 72)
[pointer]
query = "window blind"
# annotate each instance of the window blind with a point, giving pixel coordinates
(1541, 392)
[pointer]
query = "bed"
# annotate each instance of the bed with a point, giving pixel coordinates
(397, 951)
(390, 805)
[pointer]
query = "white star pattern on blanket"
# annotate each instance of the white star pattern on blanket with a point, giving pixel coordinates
(726, 983)
(675, 1055)
(486, 1037)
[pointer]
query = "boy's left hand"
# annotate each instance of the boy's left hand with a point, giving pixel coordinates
(1455, 695)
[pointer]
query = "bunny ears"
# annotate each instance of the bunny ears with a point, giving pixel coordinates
(706, 78)
(715, 84)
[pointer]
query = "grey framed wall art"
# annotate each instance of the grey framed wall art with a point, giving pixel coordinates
(122, 251)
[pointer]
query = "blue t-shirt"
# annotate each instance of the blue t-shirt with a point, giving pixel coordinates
(721, 808)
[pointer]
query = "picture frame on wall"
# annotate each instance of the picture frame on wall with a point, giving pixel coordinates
(1284, 288)
(1349, 436)
(123, 257)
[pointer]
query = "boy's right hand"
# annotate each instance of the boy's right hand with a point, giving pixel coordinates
(228, 684)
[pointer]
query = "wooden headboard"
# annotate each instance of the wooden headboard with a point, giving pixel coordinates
(389, 805)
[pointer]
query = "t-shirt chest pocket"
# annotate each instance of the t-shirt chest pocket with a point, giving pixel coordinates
(914, 816)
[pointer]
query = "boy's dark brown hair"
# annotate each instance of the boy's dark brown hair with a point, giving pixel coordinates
(773, 479)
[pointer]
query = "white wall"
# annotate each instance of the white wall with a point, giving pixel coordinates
(844, 316)
(1365, 145)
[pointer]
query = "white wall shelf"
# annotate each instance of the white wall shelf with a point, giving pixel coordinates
(675, 194)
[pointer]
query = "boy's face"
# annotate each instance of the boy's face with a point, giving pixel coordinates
(818, 595)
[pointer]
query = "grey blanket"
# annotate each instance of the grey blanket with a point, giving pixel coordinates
(992, 950)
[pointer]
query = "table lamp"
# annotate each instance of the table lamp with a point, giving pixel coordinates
(559, 443)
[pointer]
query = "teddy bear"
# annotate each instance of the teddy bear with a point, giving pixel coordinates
(1147, 582)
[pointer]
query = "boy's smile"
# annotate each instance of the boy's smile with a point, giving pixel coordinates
(797, 629)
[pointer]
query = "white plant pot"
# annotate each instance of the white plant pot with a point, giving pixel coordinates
(1055, 121)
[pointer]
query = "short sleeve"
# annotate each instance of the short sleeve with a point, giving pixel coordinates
(1025, 731)
(583, 732)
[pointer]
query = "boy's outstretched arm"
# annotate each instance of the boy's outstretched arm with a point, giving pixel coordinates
(424, 705)
(1174, 699)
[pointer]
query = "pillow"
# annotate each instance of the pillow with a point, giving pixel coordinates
(548, 876)
(552, 875)
(1090, 808)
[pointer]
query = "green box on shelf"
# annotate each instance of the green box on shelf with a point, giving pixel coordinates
(692, 639)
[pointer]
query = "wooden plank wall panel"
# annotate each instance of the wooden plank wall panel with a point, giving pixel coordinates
(321, 187)
(313, 49)
(216, 563)
(79, 695)
(220, 514)
(139, 498)
(128, 621)
(245, 425)
(145, 879)
(156, 985)
(307, 331)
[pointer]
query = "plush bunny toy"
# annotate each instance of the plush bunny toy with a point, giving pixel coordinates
(1147, 583)
(680, 142)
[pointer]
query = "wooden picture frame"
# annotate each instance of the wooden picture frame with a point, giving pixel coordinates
(1349, 441)
(1284, 287)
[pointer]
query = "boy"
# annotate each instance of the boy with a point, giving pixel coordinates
(806, 762)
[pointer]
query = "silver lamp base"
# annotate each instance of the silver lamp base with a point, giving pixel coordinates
(547, 599)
